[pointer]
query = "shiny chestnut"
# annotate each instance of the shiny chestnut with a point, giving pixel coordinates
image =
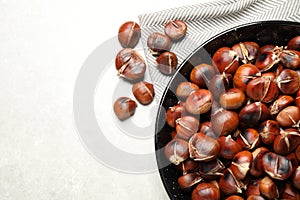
(268, 188)
(207, 129)
(288, 81)
(244, 74)
(175, 29)
(226, 60)
(246, 51)
(228, 147)
(297, 100)
(253, 188)
(130, 64)
(202, 74)
(143, 92)
(248, 139)
(187, 181)
(186, 126)
(188, 166)
(289, 117)
(124, 108)
(280, 103)
(167, 62)
(184, 89)
(129, 34)
(240, 165)
(158, 43)
(268, 130)
(290, 59)
(268, 59)
(229, 184)
(294, 43)
(224, 122)
(256, 168)
(287, 141)
(173, 113)
(219, 84)
(234, 197)
(208, 191)
(199, 102)
(234, 98)
(176, 151)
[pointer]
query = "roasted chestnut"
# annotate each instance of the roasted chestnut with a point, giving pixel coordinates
(228, 147)
(268, 130)
(287, 141)
(158, 43)
(297, 100)
(248, 139)
(202, 74)
(226, 60)
(199, 102)
(255, 197)
(219, 84)
(268, 188)
(244, 74)
(186, 126)
(294, 43)
(130, 64)
(203, 148)
(173, 113)
(296, 178)
(229, 184)
(280, 103)
(175, 29)
(187, 181)
(184, 89)
(234, 98)
(167, 62)
(268, 59)
(224, 122)
(289, 117)
(208, 191)
(240, 165)
(290, 59)
(234, 197)
(289, 193)
(246, 51)
(253, 188)
(143, 92)
(256, 168)
(129, 34)
(124, 108)
(177, 151)
(211, 170)
(188, 166)
(288, 81)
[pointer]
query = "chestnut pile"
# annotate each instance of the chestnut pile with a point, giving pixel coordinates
(236, 127)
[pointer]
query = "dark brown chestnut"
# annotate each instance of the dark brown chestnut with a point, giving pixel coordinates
(268, 130)
(202, 74)
(224, 122)
(188, 166)
(268, 188)
(206, 128)
(167, 62)
(296, 178)
(234, 197)
(124, 108)
(187, 181)
(253, 188)
(211, 170)
(229, 184)
(228, 147)
(234, 98)
(158, 43)
(294, 43)
(240, 165)
(277, 166)
(253, 114)
(266, 48)
(246, 51)
(186, 126)
(268, 59)
(244, 74)
(290, 59)
(256, 168)
(208, 191)
(289, 117)
(288, 81)
(255, 197)
(199, 102)
(129, 34)
(226, 60)
(219, 84)
(176, 151)
(184, 89)
(297, 100)
(203, 148)
(289, 193)
(173, 113)
(248, 139)
(175, 29)
(287, 141)
(143, 92)
(130, 64)
(280, 103)
(262, 89)
(297, 152)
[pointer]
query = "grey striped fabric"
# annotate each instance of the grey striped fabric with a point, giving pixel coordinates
(206, 20)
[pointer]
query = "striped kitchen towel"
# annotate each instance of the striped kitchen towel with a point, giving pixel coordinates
(204, 20)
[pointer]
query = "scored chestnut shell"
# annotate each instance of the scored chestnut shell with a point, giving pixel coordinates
(256, 168)
(290, 59)
(287, 141)
(253, 188)
(280, 103)
(268, 59)
(173, 113)
(212, 169)
(288, 81)
(234, 197)
(246, 51)
(297, 100)
(268, 130)
(234, 98)
(248, 139)
(240, 165)
(277, 166)
(176, 151)
(186, 126)
(289, 117)
(158, 43)
(203, 148)
(268, 188)
(225, 122)
(188, 166)
(129, 34)
(202, 74)
(143, 92)
(130, 64)
(124, 108)
(296, 178)
(226, 60)
(229, 184)
(244, 74)
(208, 191)
(219, 84)
(187, 181)
(184, 89)
(228, 147)
(167, 63)
(175, 29)
(206, 128)
(294, 43)
(199, 102)
(289, 192)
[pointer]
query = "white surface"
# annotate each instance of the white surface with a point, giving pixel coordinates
(42, 47)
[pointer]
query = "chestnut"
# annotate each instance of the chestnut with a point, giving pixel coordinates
(297, 152)
(293, 158)
(256, 168)
(199, 102)
(277, 166)
(255, 197)
(187, 181)
(208, 191)
(219, 84)
(289, 193)
(186, 126)
(212, 169)
(129, 34)
(229, 184)
(244, 74)
(158, 43)
(253, 114)
(202, 74)
(297, 100)
(124, 108)
(240, 165)
(167, 62)
(288, 81)
(296, 178)
(262, 89)
(246, 51)
(184, 89)
(176, 151)
(143, 92)
(226, 60)
(248, 139)
(290, 59)
(203, 148)
(188, 166)
(289, 117)
(234, 197)
(266, 48)
(175, 29)
(234, 98)
(268, 188)
(173, 113)
(294, 43)
(280, 103)
(228, 147)
(206, 128)
(224, 122)
(130, 64)
(268, 130)
(268, 59)
(253, 188)
(287, 141)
